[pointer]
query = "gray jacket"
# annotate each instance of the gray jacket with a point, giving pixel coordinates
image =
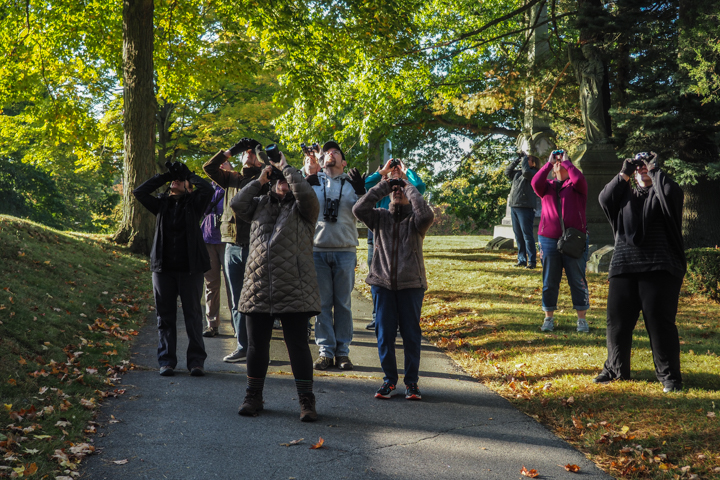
(397, 261)
(522, 194)
(280, 272)
(341, 235)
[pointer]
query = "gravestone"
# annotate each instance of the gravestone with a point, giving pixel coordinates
(599, 261)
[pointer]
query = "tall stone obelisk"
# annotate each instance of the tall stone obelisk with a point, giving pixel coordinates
(537, 138)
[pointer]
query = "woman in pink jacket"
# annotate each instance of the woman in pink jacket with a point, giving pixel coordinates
(571, 187)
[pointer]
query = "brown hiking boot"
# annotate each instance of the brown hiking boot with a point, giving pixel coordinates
(252, 405)
(307, 407)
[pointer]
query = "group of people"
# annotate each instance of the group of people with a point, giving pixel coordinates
(644, 208)
(286, 240)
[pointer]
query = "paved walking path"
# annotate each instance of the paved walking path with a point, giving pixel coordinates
(186, 427)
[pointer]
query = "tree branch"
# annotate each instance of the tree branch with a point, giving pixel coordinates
(437, 120)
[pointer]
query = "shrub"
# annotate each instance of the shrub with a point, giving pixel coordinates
(704, 272)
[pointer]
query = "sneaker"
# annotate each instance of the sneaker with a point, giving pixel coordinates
(323, 363)
(370, 326)
(547, 325)
(582, 325)
(252, 405)
(307, 407)
(343, 363)
(385, 391)
(197, 372)
(236, 356)
(532, 266)
(210, 332)
(672, 387)
(520, 264)
(412, 392)
(604, 377)
(167, 371)
(277, 324)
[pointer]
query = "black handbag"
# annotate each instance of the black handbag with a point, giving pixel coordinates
(572, 241)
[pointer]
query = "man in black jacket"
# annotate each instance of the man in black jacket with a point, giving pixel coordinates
(522, 202)
(178, 260)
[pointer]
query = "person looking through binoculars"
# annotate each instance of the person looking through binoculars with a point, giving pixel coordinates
(334, 253)
(647, 267)
(178, 260)
(280, 279)
(311, 161)
(394, 168)
(235, 232)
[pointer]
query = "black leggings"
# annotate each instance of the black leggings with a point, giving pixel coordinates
(259, 328)
(656, 295)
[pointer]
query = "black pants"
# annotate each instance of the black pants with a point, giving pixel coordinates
(259, 328)
(189, 286)
(656, 295)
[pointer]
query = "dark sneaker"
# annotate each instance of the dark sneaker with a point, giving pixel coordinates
(307, 407)
(385, 391)
(412, 392)
(210, 332)
(197, 372)
(343, 363)
(236, 356)
(323, 363)
(604, 377)
(530, 267)
(370, 326)
(520, 264)
(252, 405)
(167, 371)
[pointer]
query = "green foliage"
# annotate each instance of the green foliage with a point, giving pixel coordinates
(69, 305)
(475, 188)
(703, 276)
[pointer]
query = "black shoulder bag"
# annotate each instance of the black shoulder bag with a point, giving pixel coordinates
(572, 241)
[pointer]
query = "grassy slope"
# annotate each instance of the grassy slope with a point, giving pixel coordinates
(486, 315)
(69, 304)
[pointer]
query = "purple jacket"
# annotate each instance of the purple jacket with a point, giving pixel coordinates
(573, 198)
(210, 229)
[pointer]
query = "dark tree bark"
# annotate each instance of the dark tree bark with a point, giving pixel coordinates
(701, 214)
(137, 227)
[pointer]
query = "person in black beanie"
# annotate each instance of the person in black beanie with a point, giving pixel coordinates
(280, 278)
(178, 260)
(647, 268)
(235, 232)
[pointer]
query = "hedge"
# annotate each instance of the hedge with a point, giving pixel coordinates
(703, 274)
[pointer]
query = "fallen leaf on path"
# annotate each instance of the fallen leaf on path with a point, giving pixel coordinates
(528, 473)
(120, 462)
(318, 445)
(572, 468)
(294, 442)
(711, 414)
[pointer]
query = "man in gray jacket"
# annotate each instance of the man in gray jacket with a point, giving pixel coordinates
(522, 202)
(336, 239)
(397, 276)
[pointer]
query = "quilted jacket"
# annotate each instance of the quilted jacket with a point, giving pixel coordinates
(397, 261)
(280, 273)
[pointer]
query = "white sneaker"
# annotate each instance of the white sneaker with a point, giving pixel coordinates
(582, 325)
(547, 325)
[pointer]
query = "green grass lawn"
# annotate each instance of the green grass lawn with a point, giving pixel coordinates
(69, 306)
(486, 315)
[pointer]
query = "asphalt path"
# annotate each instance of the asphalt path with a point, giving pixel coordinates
(185, 427)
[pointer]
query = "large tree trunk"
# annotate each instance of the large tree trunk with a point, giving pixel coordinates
(701, 215)
(137, 226)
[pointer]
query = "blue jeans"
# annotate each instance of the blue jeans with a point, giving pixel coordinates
(398, 308)
(336, 280)
(553, 263)
(522, 223)
(235, 261)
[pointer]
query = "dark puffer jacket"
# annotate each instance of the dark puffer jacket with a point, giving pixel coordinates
(521, 193)
(397, 261)
(280, 273)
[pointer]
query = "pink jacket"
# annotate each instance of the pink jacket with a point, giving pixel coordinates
(573, 198)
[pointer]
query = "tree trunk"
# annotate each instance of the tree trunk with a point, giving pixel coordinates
(701, 215)
(137, 226)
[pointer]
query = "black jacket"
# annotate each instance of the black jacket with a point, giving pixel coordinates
(522, 194)
(193, 205)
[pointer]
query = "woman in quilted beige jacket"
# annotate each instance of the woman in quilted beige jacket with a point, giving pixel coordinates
(280, 279)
